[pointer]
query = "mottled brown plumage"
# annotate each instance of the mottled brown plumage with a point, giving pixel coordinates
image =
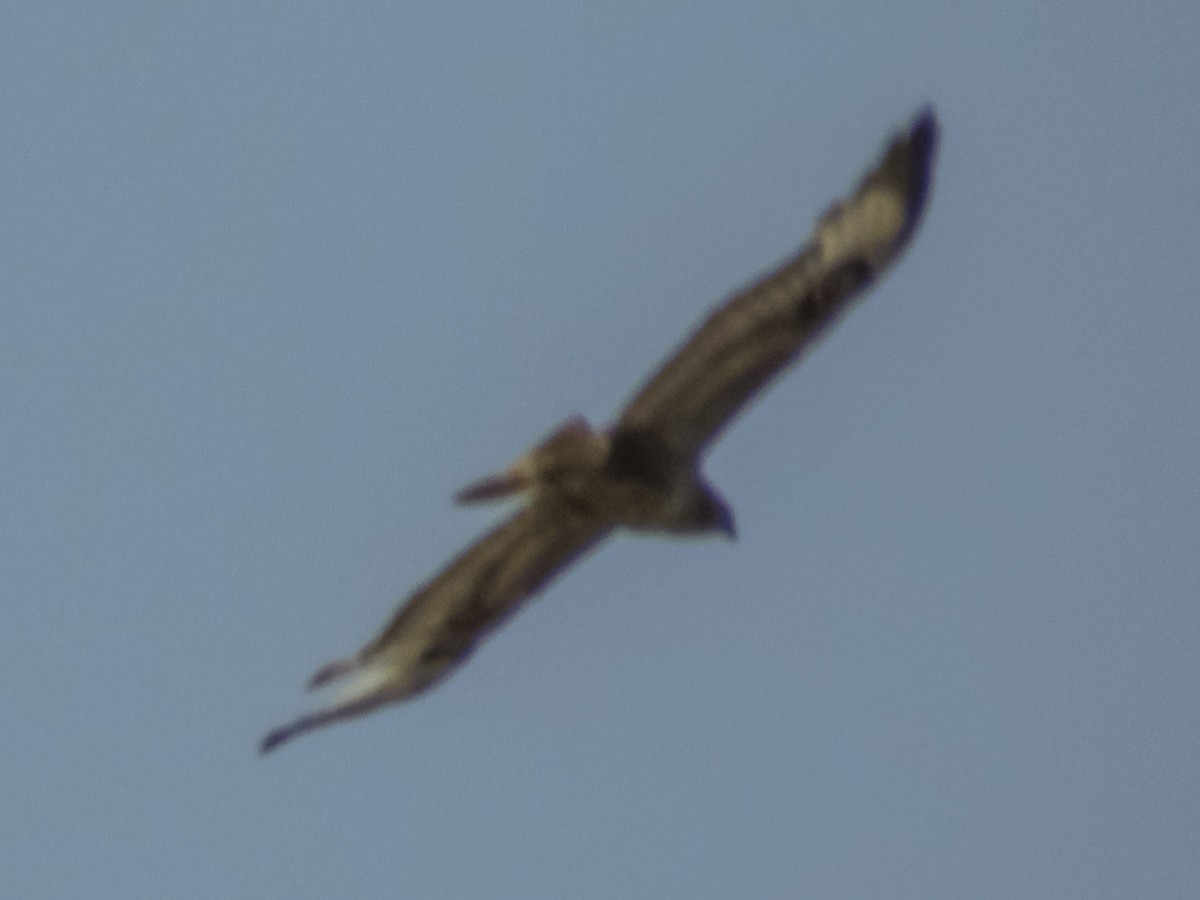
(643, 472)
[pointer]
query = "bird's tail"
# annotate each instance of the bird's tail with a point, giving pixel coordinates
(572, 447)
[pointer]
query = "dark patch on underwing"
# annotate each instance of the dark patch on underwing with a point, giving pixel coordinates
(641, 455)
(819, 306)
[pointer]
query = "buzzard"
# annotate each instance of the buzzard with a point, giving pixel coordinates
(643, 471)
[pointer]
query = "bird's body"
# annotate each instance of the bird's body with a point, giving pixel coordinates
(643, 472)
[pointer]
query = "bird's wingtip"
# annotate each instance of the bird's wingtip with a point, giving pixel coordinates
(923, 134)
(926, 119)
(285, 733)
(369, 697)
(908, 164)
(274, 738)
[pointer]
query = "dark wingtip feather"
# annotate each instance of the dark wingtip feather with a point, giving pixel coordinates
(275, 738)
(345, 709)
(327, 673)
(294, 729)
(910, 159)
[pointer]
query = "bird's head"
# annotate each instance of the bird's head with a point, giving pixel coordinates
(714, 514)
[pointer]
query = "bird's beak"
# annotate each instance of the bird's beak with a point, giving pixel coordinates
(726, 525)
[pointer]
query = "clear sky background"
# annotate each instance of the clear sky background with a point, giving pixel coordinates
(278, 278)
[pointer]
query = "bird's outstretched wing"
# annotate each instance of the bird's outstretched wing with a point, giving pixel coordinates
(651, 453)
(759, 331)
(436, 630)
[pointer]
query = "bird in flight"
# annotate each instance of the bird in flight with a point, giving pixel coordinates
(643, 471)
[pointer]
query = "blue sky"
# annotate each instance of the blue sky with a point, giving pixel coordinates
(279, 279)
